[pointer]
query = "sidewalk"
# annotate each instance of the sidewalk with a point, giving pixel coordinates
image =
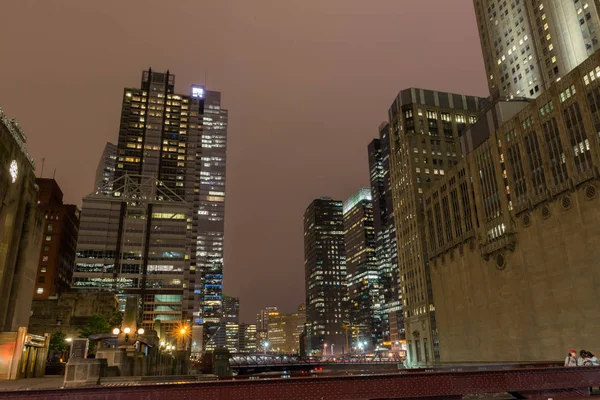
(47, 382)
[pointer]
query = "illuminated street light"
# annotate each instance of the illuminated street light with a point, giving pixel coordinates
(116, 331)
(68, 339)
(126, 330)
(141, 331)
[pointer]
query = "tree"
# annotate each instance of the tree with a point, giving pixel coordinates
(116, 319)
(96, 324)
(57, 342)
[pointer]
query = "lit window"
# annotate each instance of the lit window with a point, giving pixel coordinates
(48, 238)
(43, 269)
(44, 258)
(40, 290)
(50, 228)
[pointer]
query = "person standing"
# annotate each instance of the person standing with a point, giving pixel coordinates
(571, 360)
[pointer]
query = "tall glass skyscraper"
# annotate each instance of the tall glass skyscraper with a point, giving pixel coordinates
(173, 147)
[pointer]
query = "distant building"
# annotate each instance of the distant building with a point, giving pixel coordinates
(285, 330)
(385, 232)
(247, 338)
(237, 338)
(325, 275)
(105, 172)
(231, 309)
(513, 228)
(424, 129)
(61, 227)
(529, 45)
(262, 318)
(363, 268)
(20, 227)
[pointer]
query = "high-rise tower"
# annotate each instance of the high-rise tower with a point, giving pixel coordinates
(528, 45)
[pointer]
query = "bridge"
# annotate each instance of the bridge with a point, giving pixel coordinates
(522, 383)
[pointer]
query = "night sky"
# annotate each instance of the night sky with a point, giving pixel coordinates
(306, 82)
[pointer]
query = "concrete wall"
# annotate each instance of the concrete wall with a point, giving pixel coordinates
(543, 302)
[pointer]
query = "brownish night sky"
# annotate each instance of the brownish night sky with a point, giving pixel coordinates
(306, 84)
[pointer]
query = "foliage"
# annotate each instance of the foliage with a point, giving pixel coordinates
(57, 342)
(116, 319)
(96, 324)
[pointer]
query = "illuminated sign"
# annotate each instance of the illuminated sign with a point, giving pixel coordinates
(198, 91)
(14, 171)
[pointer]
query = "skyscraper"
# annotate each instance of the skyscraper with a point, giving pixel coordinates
(172, 149)
(528, 45)
(425, 126)
(325, 275)
(61, 227)
(231, 309)
(385, 232)
(362, 268)
(105, 172)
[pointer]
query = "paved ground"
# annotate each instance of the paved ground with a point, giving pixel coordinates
(47, 382)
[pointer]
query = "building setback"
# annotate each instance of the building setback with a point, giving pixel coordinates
(105, 172)
(385, 232)
(528, 45)
(424, 127)
(61, 227)
(325, 275)
(513, 230)
(20, 227)
(362, 268)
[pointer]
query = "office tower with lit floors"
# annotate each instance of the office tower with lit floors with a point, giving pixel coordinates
(528, 45)
(424, 129)
(170, 155)
(325, 276)
(362, 270)
(385, 233)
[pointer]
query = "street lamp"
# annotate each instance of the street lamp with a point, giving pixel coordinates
(332, 344)
(116, 331)
(68, 340)
(265, 346)
(324, 349)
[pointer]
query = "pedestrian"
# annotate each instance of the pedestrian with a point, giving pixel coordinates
(571, 360)
(587, 359)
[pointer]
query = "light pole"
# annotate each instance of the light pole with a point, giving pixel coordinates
(324, 349)
(332, 348)
(265, 346)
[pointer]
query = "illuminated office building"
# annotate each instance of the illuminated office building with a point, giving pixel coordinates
(424, 129)
(175, 144)
(105, 172)
(528, 45)
(325, 275)
(362, 268)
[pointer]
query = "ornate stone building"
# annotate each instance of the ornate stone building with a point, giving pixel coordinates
(513, 229)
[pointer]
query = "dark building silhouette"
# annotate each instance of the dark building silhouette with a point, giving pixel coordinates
(59, 243)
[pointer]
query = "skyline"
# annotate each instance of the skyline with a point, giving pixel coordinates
(310, 115)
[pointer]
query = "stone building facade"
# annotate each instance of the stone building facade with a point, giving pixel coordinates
(513, 232)
(424, 129)
(20, 226)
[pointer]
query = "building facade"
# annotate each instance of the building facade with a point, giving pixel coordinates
(528, 45)
(285, 330)
(136, 241)
(105, 172)
(20, 226)
(362, 267)
(513, 231)
(61, 227)
(424, 127)
(385, 231)
(325, 275)
(179, 142)
(231, 309)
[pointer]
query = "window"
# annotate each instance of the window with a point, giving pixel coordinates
(50, 228)
(41, 279)
(43, 269)
(46, 249)
(48, 238)
(44, 258)
(40, 290)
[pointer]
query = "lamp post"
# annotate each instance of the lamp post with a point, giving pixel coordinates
(332, 348)
(265, 347)
(324, 349)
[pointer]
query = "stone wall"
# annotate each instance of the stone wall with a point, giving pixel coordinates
(541, 302)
